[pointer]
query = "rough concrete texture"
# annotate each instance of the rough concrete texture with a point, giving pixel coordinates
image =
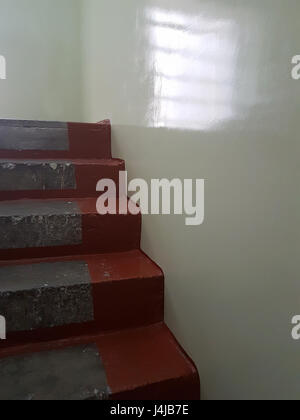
(33, 135)
(39, 224)
(45, 295)
(71, 374)
(36, 175)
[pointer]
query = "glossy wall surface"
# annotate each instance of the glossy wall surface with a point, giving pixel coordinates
(195, 89)
(203, 89)
(40, 40)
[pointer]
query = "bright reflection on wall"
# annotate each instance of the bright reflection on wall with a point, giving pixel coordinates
(194, 65)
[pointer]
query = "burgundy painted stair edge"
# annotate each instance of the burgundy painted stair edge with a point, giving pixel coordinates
(50, 140)
(110, 292)
(55, 178)
(61, 227)
(140, 364)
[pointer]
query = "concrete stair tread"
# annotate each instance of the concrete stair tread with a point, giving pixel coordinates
(109, 162)
(144, 363)
(55, 178)
(58, 227)
(45, 139)
(88, 291)
(74, 373)
(11, 122)
(28, 208)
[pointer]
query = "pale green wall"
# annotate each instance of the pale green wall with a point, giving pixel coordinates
(232, 285)
(40, 40)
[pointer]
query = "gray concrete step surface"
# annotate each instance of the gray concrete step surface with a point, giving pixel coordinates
(70, 374)
(42, 223)
(46, 175)
(45, 295)
(33, 135)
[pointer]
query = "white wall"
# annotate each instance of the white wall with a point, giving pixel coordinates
(233, 283)
(40, 40)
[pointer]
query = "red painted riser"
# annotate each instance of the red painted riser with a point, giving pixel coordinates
(86, 141)
(132, 297)
(100, 234)
(151, 365)
(140, 364)
(88, 173)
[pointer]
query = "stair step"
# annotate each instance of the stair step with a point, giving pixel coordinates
(145, 363)
(48, 228)
(45, 295)
(83, 305)
(72, 373)
(32, 179)
(48, 140)
(33, 135)
(88, 293)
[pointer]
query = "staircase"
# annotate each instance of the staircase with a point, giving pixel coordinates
(84, 306)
